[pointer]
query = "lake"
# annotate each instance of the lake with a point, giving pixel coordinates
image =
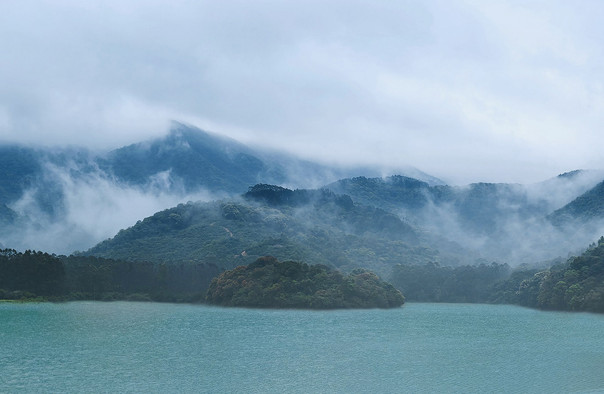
(151, 347)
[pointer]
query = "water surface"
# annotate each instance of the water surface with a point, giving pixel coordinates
(150, 347)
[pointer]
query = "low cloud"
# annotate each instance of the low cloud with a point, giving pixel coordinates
(515, 230)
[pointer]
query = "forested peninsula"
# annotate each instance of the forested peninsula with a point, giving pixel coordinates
(268, 283)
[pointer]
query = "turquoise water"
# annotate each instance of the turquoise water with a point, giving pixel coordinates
(149, 347)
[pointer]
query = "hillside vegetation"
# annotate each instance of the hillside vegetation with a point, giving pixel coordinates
(576, 285)
(46, 195)
(482, 208)
(45, 191)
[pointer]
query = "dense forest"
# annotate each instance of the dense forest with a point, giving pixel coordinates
(482, 208)
(37, 275)
(30, 274)
(586, 207)
(268, 283)
(574, 285)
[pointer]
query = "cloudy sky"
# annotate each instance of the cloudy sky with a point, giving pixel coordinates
(507, 91)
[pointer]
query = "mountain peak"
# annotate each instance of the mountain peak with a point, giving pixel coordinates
(194, 137)
(571, 174)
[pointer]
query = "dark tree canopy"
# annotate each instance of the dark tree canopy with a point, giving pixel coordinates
(37, 275)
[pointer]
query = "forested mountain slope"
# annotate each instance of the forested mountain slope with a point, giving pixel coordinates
(586, 208)
(69, 199)
(314, 226)
(481, 208)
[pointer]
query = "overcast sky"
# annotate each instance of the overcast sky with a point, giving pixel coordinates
(505, 91)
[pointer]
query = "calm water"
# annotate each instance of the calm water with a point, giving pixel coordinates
(147, 347)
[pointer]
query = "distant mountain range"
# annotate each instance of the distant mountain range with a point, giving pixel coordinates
(39, 187)
(65, 199)
(186, 160)
(513, 222)
(482, 208)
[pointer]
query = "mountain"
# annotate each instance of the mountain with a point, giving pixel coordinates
(190, 159)
(399, 193)
(314, 226)
(67, 199)
(186, 160)
(33, 179)
(480, 207)
(19, 167)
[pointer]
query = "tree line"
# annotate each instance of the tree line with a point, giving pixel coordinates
(38, 275)
(574, 285)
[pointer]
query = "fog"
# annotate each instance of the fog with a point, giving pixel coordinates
(516, 228)
(92, 208)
